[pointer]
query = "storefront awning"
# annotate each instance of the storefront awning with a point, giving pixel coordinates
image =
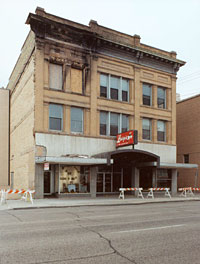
(178, 165)
(72, 161)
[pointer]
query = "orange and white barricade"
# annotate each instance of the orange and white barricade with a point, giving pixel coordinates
(26, 194)
(122, 190)
(150, 194)
(187, 191)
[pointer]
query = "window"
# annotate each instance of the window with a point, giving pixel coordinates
(164, 178)
(186, 158)
(76, 120)
(103, 123)
(55, 117)
(146, 128)
(103, 85)
(161, 97)
(161, 134)
(112, 124)
(113, 87)
(147, 97)
(125, 125)
(55, 76)
(125, 88)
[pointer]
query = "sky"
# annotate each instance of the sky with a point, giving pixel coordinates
(164, 24)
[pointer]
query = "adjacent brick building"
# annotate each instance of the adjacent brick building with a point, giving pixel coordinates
(188, 140)
(73, 89)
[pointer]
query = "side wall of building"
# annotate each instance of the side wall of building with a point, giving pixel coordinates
(188, 139)
(22, 150)
(4, 138)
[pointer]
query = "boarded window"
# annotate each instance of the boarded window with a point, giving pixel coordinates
(76, 81)
(55, 76)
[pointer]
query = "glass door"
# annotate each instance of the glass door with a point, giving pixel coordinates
(107, 182)
(100, 182)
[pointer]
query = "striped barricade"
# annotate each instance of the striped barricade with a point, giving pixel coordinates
(187, 191)
(150, 194)
(26, 194)
(122, 190)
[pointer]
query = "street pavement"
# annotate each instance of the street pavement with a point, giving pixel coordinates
(142, 233)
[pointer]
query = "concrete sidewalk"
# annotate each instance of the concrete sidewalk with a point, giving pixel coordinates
(99, 201)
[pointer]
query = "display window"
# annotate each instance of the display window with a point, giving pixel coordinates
(74, 179)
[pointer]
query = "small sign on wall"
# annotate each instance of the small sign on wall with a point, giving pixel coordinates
(127, 138)
(46, 166)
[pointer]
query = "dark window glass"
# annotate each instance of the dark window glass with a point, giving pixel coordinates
(124, 96)
(103, 123)
(186, 158)
(146, 94)
(114, 124)
(103, 91)
(114, 94)
(55, 117)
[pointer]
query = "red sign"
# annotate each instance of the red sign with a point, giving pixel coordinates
(127, 138)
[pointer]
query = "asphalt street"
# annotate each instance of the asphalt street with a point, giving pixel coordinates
(149, 233)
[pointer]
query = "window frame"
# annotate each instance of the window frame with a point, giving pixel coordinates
(108, 123)
(158, 139)
(82, 120)
(150, 129)
(60, 65)
(165, 102)
(119, 88)
(61, 118)
(150, 87)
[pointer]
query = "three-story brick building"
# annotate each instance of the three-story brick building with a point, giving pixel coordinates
(73, 89)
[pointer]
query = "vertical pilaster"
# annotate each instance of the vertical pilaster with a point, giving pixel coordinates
(93, 97)
(174, 182)
(154, 96)
(137, 96)
(39, 87)
(39, 181)
(154, 130)
(93, 181)
(174, 110)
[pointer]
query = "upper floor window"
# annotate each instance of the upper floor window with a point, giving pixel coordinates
(76, 120)
(112, 124)
(161, 130)
(161, 97)
(55, 76)
(113, 87)
(186, 158)
(147, 94)
(55, 117)
(146, 128)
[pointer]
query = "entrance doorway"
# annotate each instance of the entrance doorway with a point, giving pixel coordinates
(47, 182)
(104, 182)
(146, 178)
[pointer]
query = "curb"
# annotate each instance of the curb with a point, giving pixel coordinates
(101, 204)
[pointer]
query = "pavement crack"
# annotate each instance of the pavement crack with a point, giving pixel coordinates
(71, 259)
(19, 219)
(115, 251)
